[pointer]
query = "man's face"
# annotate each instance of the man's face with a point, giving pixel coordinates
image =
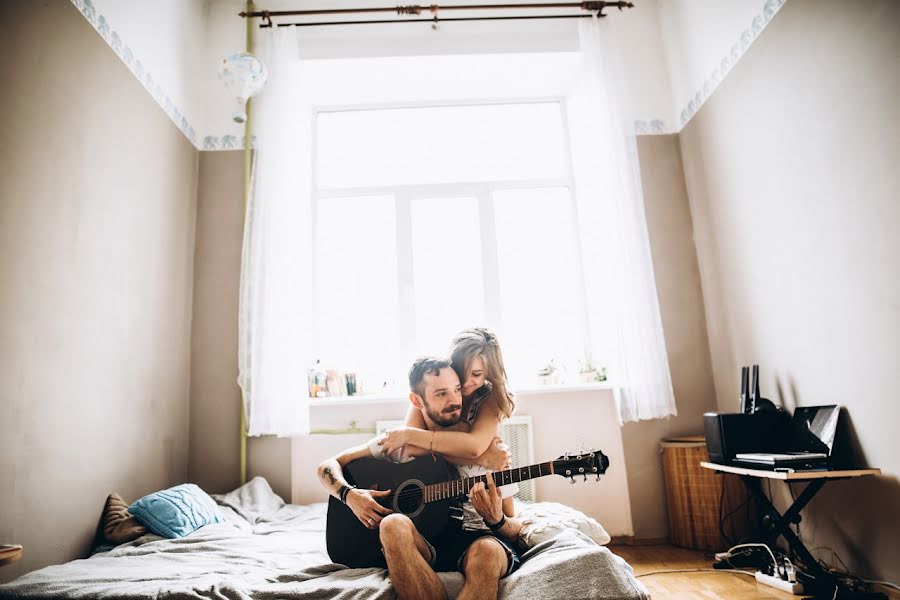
(443, 398)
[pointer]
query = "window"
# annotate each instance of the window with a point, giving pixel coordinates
(436, 218)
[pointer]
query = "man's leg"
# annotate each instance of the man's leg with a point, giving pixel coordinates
(485, 563)
(407, 555)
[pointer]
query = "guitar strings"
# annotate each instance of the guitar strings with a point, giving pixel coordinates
(416, 491)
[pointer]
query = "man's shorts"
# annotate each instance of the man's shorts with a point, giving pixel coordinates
(448, 550)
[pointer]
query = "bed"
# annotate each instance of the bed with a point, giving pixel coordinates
(269, 549)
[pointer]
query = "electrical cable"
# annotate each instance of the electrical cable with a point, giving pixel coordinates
(834, 555)
(725, 537)
(848, 580)
(776, 570)
(884, 583)
(793, 501)
(769, 550)
(739, 507)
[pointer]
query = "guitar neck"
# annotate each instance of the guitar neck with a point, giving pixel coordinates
(461, 487)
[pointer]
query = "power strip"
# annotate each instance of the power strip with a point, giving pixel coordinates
(795, 587)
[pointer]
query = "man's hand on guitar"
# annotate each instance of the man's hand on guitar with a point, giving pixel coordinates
(366, 508)
(487, 501)
(497, 457)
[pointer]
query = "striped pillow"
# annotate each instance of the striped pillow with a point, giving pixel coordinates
(177, 511)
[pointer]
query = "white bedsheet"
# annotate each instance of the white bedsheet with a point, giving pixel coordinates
(268, 549)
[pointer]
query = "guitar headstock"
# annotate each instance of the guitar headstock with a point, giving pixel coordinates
(589, 462)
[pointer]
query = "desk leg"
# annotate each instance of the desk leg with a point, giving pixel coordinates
(823, 582)
(783, 523)
(793, 513)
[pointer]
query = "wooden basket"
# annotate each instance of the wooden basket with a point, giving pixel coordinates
(694, 494)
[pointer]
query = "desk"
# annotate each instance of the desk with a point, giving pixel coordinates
(752, 478)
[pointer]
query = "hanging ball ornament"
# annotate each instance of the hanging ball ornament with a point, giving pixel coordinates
(243, 76)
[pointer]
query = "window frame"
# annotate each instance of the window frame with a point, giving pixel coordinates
(482, 191)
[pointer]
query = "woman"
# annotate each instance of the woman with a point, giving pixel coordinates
(476, 358)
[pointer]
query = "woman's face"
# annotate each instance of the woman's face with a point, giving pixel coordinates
(474, 376)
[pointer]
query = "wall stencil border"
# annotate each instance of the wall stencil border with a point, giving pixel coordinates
(748, 36)
(651, 127)
(226, 142)
(124, 52)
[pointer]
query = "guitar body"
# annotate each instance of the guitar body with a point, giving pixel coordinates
(350, 542)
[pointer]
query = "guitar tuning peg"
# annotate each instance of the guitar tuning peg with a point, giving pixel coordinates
(572, 480)
(598, 477)
(585, 477)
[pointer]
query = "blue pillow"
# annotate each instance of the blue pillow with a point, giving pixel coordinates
(177, 511)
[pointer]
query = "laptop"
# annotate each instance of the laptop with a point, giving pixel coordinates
(808, 445)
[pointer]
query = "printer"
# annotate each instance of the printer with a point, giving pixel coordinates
(729, 434)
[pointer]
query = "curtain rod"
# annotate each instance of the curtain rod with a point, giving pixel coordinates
(597, 6)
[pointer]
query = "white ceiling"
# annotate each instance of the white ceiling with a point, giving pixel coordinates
(674, 52)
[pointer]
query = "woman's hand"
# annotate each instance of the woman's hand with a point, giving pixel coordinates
(487, 501)
(394, 439)
(497, 457)
(366, 508)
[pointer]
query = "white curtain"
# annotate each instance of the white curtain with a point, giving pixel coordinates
(623, 310)
(276, 262)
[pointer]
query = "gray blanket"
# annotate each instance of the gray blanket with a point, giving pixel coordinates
(269, 549)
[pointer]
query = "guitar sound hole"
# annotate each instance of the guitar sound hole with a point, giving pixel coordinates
(409, 499)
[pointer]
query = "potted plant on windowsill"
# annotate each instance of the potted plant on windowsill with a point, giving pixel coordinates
(588, 373)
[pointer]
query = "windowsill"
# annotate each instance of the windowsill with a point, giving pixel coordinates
(536, 390)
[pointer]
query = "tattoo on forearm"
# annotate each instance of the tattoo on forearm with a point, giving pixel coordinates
(329, 475)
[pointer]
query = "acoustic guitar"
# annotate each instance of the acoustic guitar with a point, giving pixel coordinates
(426, 489)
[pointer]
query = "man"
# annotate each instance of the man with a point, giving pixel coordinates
(484, 556)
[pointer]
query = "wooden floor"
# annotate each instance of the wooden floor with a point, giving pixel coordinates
(698, 585)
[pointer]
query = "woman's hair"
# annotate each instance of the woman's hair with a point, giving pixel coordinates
(480, 341)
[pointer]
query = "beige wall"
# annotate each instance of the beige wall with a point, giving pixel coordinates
(791, 169)
(684, 325)
(97, 203)
(215, 395)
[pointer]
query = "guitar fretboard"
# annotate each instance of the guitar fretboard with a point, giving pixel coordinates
(461, 487)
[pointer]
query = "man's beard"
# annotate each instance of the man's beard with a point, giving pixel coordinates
(443, 420)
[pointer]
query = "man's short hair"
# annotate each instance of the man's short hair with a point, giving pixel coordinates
(427, 365)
